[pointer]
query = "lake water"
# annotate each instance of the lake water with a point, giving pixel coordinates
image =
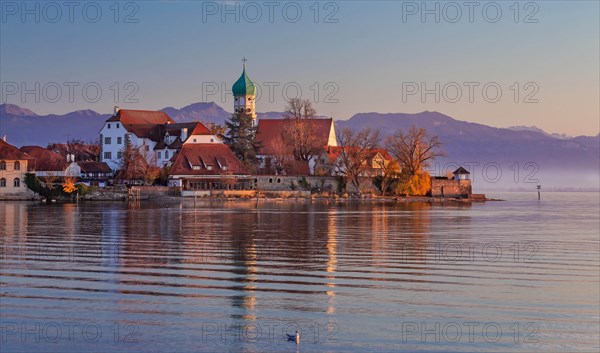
(516, 276)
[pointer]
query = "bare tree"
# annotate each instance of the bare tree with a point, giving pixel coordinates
(133, 164)
(299, 133)
(282, 154)
(414, 150)
(356, 150)
(389, 172)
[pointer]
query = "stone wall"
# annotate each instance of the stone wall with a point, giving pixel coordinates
(292, 183)
(450, 188)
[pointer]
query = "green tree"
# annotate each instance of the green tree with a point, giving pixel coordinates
(241, 139)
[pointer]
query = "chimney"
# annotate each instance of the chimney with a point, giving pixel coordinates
(4, 137)
(117, 110)
(184, 134)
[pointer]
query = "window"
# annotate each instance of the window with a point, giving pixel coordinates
(2, 183)
(2, 165)
(17, 165)
(196, 167)
(159, 155)
(119, 155)
(107, 155)
(209, 167)
(195, 140)
(117, 125)
(212, 140)
(147, 148)
(224, 167)
(107, 140)
(119, 140)
(167, 154)
(17, 183)
(108, 126)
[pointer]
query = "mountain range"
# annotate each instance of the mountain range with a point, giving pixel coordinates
(559, 159)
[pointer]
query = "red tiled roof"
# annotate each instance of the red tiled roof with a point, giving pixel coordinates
(94, 167)
(141, 117)
(83, 152)
(269, 133)
(200, 129)
(202, 155)
(45, 160)
(10, 152)
(156, 132)
(148, 131)
(384, 153)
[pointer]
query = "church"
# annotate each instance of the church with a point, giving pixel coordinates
(269, 132)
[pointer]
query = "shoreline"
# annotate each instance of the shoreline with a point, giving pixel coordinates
(262, 197)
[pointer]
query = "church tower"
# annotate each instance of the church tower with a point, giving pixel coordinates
(244, 95)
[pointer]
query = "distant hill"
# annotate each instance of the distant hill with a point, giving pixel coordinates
(562, 160)
(205, 112)
(537, 129)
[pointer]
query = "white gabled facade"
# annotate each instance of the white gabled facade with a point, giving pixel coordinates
(112, 139)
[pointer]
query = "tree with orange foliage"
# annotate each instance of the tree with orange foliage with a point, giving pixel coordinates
(69, 185)
(414, 185)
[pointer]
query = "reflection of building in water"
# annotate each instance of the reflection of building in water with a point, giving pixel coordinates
(111, 238)
(14, 217)
(331, 260)
(244, 256)
(13, 234)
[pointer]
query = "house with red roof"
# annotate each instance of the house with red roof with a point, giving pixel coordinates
(46, 163)
(208, 166)
(270, 135)
(331, 161)
(13, 167)
(154, 133)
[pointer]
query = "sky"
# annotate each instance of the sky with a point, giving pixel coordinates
(500, 63)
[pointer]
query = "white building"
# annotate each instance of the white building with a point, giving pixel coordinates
(13, 166)
(154, 133)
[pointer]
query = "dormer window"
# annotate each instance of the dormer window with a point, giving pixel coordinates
(196, 167)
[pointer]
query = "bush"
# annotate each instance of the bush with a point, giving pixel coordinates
(304, 184)
(83, 189)
(34, 184)
(415, 185)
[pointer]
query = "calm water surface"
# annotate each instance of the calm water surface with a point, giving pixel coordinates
(515, 276)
